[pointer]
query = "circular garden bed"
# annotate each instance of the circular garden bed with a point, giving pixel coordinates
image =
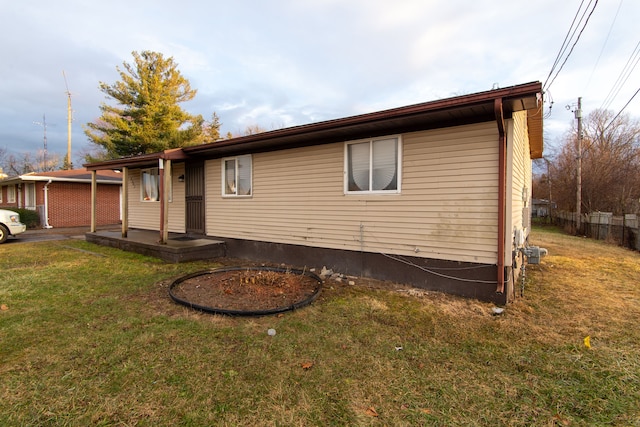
(243, 291)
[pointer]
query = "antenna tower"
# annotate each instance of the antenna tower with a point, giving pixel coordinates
(68, 164)
(44, 155)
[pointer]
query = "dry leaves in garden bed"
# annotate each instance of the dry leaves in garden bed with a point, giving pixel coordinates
(246, 289)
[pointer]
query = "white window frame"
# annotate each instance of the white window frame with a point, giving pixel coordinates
(11, 193)
(2, 192)
(230, 189)
(30, 196)
(371, 142)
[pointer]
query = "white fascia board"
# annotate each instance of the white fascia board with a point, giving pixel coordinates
(25, 178)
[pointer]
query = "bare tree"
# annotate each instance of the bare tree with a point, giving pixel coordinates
(610, 165)
(23, 163)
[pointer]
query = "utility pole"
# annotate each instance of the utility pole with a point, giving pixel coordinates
(549, 212)
(578, 114)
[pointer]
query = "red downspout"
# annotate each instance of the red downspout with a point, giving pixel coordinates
(502, 184)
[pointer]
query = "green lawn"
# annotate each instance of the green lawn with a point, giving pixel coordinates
(88, 336)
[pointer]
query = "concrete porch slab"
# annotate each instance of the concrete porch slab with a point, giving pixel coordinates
(179, 247)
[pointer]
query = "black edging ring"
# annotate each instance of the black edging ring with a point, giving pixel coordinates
(214, 310)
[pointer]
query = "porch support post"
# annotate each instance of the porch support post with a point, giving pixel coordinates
(162, 240)
(166, 196)
(94, 190)
(165, 185)
(125, 201)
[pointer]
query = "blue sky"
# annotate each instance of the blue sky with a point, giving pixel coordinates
(284, 63)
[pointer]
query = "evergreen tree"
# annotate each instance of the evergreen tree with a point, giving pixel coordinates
(211, 129)
(147, 117)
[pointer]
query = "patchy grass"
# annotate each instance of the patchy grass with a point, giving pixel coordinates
(88, 336)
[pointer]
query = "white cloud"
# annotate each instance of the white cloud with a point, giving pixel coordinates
(288, 62)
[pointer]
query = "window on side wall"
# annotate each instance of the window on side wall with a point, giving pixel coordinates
(150, 185)
(373, 166)
(236, 176)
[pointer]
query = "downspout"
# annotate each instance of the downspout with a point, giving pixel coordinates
(46, 205)
(502, 179)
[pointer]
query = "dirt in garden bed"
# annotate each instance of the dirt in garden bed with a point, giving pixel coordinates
(246, 290)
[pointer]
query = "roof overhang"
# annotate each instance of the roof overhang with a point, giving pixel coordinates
(141, 161)
(534, 123)
(460, 110)
(27, 178)
(82, 177)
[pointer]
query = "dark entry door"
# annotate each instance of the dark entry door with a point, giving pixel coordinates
(194, 197)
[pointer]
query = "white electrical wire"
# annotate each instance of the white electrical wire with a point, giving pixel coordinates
(446, 276)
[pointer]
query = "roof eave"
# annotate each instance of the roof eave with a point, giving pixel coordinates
(536, 133)
(143, 160)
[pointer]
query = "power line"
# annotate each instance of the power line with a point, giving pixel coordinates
(563, 46)
(628, 68)
(568, 38)
(620, 112)
(615, 18)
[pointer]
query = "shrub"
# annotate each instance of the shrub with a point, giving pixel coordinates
(29, 217)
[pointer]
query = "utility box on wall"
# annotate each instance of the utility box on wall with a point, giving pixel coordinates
(534, 253)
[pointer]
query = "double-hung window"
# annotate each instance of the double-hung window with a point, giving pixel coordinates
(373, 166)
(11, 194)
(236, 176)
(30, 196)
(150, 185)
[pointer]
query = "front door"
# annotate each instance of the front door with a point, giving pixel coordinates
(194, 197)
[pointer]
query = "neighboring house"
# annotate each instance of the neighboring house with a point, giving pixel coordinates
(542, 207)
(436, 194)
(63, 198)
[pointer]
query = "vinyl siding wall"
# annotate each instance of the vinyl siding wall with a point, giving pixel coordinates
(146, 215)
(447, 208)
(519, 181)
(521, 173)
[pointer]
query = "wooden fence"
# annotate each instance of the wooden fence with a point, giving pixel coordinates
(622, 230)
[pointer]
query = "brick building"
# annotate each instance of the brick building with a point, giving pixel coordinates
(63, 198)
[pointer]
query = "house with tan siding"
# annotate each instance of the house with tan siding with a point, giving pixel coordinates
(436, 194)
(62, 198)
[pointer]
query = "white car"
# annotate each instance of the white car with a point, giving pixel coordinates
(10, 224)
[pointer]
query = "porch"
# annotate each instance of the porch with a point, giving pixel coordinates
(178, 248)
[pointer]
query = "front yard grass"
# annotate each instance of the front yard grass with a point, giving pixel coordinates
(88, 336)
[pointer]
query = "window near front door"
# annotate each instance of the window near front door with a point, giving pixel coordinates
(150, 186)
(236, 176)
(11, 194)
(373, 166)
(30, 196)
